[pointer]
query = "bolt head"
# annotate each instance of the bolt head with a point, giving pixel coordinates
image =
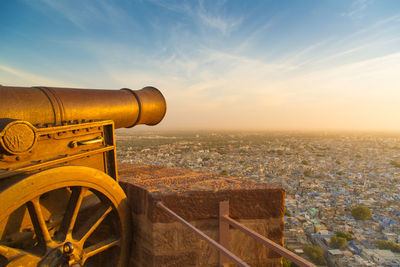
(68, 248)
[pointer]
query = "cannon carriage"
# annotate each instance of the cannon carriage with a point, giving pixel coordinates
(60, 202)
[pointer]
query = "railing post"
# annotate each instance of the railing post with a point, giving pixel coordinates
(209, 240)
(223, 246)
(269, 243)
(223, 231)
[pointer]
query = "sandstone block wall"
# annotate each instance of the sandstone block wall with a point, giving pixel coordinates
(158, 240)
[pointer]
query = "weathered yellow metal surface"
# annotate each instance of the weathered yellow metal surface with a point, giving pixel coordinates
(17, 137)
(85, 144)
(60, 201)
(55, 106)
(72, 205)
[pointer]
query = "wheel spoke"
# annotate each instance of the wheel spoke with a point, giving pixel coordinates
(100, 247)
(15, 256)
(71, 213)
(92, 223)
(9, 252)
(39, 224)
(64, 215)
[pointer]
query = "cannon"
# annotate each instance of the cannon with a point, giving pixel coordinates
(60, 201)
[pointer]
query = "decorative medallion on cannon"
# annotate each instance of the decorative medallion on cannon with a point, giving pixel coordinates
(60, 202)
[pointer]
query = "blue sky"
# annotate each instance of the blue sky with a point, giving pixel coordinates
(220, 64)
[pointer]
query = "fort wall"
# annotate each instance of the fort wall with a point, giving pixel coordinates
(159, 240)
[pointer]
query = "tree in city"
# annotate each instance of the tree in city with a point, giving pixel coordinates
(385, 244)
(344, 235)
(361, 213)
(287, 212)
(338, 242)
(304, 162)
(307, 173)
(288, 263)
(224, 172)
(395, 163)
(315, 253)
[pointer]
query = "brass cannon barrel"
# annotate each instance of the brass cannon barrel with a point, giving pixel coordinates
(55, 106)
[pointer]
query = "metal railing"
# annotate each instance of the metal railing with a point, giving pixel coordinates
(223, 246)
(209, 240)
(225, 221)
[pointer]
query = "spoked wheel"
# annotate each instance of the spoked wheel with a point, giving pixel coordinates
(66, 216)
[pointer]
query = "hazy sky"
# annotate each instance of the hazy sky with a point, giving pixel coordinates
(220, 64)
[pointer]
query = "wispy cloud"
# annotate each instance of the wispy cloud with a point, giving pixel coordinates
(218, 20)
(357, 9)
(253, 35)
(215, 71)
(79, 17)
(202, 74)
(366, 42)
(84, 14)
(12, 76)
(207, 17)
(179, 7)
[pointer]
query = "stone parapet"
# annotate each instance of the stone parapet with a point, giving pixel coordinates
(158, 240)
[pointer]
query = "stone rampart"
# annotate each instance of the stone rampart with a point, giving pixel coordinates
(158, 240)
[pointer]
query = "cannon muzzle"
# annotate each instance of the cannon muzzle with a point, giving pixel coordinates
(55, 106)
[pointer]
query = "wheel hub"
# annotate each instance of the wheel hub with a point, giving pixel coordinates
(65, 255)
(60, 220)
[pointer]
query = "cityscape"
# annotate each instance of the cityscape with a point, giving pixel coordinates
(326, 177)
(301, 97)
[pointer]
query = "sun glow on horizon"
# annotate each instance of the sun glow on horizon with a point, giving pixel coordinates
(220, 64)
